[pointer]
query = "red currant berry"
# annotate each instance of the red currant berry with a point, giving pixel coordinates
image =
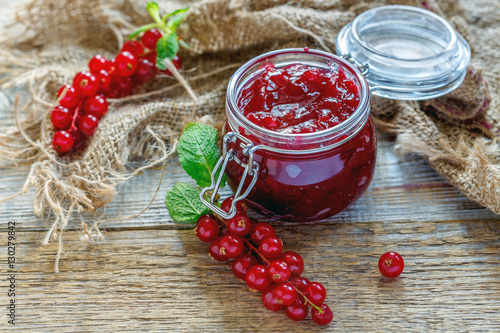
(150, 38)
(271, 247)
(322, 318)
(391, 264)
(126, 63)
(260, 231)
(300, 282)
(97, 64)
(88, 124)
(226, 205)
(231, 246)
(96, 106)
(86, 83)
(239, 225)
(133, 47)
(78, 137)
(63, 141)
(207, 230)
(285, 293)
(316, 293)
(104, 81)
(270, 300)
(298, 310)
(146, 70)
(61, 116)
(241, 265)
(294, 261)
(279, 271)
(151, 56)
(257, 278)
(71, 97)
(177, 62)
(122, 86)
(214, 251)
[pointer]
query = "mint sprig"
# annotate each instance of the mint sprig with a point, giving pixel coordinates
(168, 45)
(198, 154)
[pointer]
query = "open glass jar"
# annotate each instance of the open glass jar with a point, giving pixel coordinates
(310, 176)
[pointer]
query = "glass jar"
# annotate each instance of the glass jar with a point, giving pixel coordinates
(307, 176)
(397, 52)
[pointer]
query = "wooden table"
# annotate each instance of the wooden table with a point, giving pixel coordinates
(152, 274)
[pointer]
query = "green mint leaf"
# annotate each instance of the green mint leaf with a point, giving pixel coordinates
(154, 11)
(184, 204)
(175, 12)
(142, 29)
(166, 47)
(175, 21)
(198, 152)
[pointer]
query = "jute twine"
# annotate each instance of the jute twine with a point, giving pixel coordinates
(54, 39)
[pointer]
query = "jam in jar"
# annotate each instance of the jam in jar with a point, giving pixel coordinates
(301, 118)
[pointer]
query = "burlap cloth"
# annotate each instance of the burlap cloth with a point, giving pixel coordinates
(54, 39)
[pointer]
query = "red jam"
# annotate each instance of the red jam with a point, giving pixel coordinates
(307, 186)
(299, 99)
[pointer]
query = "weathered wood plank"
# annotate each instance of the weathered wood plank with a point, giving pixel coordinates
(163, 280)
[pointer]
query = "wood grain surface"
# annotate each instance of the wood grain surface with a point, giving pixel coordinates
(151, 274)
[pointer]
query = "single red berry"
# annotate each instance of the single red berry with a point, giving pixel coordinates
(61, 116)
(104, 81)
(78, 137)
(300, 282)
(208, 229)
(257, 278)
(151, 56)
(126, 63)
(294, 261)
(279, 271)
(97, 64)
(241, 265)
(71, 96)
(215, 253)
(133, 47)
(88, 124)
(391, 264)
(270, 300)
(231, 246)
(122, 86)
(96, 106)
(322, 318)
(316, 293)
(298, 310)
(271, 247)
(86, 83)
(150, 38)
(146, 70)
(260, 231)
(226, 205)
(177, 62)
(63, 141)
(239, 225)
(285, 293)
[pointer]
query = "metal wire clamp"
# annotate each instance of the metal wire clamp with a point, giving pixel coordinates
(251, 168)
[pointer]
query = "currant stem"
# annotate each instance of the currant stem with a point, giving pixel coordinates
(256, 251)
(75, 115)
(307, 299)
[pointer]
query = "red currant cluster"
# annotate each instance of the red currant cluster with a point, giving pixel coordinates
(83, 104)
(260, 262)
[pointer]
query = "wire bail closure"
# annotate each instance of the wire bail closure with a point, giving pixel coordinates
(251, 168)
(364, 68)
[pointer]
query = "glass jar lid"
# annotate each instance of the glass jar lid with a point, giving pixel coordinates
(408, 53)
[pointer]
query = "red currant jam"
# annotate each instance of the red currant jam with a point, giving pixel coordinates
(299, 99)
(310, 122)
